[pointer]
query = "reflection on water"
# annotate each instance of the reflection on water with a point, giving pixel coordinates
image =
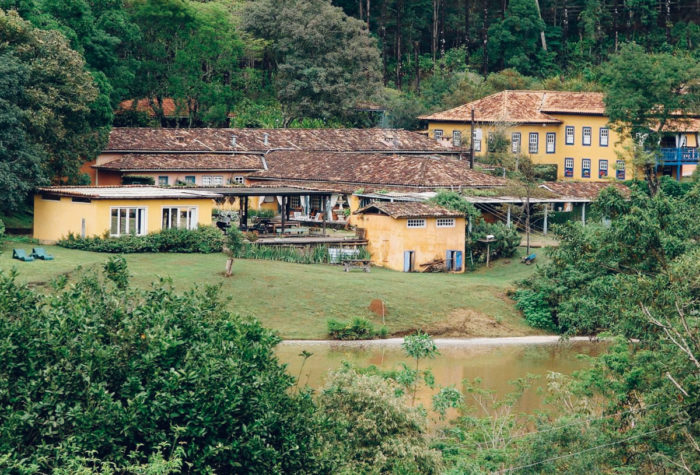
(495, 365)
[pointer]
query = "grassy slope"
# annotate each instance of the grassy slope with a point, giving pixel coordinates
(297, 299)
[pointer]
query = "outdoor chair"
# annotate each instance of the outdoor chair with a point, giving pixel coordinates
(40, 253)
(21, 255)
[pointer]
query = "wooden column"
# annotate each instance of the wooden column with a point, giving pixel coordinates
(244, 214)
(283, 213)
(546, 209)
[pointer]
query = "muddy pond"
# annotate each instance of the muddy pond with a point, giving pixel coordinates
(496, 361)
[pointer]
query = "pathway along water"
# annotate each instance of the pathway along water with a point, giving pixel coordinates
(496, 361)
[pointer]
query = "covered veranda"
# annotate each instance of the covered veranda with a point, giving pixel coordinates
(283, 195)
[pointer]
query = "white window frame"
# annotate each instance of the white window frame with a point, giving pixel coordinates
(570, 135)
(586, 132)
(194, 180)
(604, 133)
(586, 164)
(437, 134)
(515, 140)
(602, 166)
(456, 138)
(192, 217)
(212, 180)
(552, 142)
(533, 144)
(445, 222)
(143, 222)
(415, 223)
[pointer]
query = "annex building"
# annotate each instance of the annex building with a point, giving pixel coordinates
(567, 129)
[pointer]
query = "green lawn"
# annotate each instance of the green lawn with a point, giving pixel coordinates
(297, 299)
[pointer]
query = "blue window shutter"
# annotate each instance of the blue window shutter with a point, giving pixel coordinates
(448, 260)
(406, 261)
(458, 260)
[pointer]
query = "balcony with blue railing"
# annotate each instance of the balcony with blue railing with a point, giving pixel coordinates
(678, 156)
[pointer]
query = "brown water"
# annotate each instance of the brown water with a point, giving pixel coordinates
(494, 362)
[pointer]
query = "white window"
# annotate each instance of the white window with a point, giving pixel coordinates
(294, 202)
(586, 168)
(586, 136)
(238, 180)
(604, 135)
(569, 135)
(534, 142)
(602, 168)
(568, 163)
(183, 217)
(456, 138)
(190, 179)
(212, 180)
(477, 143)
(415, 223)
(515, 142)
(551, 142)
(162, 180)
(445, 222)
(604, 165)
(127, 221)
(437, 134)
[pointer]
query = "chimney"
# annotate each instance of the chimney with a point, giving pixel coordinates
(233, 141)
(266, 142)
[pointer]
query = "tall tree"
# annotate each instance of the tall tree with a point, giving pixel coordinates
(325, 60)
(62, 111)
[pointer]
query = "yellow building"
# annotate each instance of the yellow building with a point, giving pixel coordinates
(566, 129)
(116, 211)
(405, 236)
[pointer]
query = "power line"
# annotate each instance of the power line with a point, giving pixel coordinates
(609, 444)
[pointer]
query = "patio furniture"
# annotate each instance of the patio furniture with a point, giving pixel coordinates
(527, 260)
(40, 253)
(21, 255)
(356, 264)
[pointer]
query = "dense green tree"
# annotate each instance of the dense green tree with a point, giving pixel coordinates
(20, 161)
(120, 376)
(62, 111)
(325, 61)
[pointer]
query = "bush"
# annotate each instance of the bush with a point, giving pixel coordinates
(261, 213)
(535, 308)
(2, 232)
(97, 375)
(205, 240)
(356, 329)
(506, 241)
(306, 255)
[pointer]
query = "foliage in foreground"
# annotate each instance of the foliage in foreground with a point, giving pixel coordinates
(307, 255)
(204, 239)
(356, 329)
(102, 372)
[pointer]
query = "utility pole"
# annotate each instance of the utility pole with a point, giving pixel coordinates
(471, 143)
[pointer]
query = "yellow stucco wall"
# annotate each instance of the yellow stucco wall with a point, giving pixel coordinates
(595, 152)
(55, 219)
(388, 238)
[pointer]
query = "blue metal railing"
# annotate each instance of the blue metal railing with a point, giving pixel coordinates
(678, 156)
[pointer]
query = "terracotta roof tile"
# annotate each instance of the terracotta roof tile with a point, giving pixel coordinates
(184, 162)
(408, 171)
(586, 190)
(127, 139)
(524, 107)
(170, 109)
(408, 209)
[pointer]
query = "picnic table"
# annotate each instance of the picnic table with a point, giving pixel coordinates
(292, 230)
(356, 263)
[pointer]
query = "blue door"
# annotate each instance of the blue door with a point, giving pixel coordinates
(408, 261)
(448, 260)
(458, 260)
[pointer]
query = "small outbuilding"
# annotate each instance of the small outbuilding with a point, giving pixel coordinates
(410, 236)
(116, 211)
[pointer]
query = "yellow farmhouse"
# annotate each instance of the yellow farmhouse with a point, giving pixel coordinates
(566, 129)
(405, 236)
(117, 211)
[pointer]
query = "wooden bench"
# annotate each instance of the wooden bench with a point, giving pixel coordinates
(356, 263)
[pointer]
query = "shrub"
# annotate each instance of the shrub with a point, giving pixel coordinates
(306, 255)
(261, 213)
(125, 376)
(2, 232)
(356, 329)
(535, 308)
(506, 241)
(205, 239)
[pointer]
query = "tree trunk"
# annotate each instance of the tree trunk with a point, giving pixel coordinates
(441, 21)
(485, 38)
(434, 32)
(467, 42)
(382, 35)
(527, 220)
(399, 14)
(615, 25)
(229, 266)
(539, 14)
(668, 21)
(367, 13)
(416, 50)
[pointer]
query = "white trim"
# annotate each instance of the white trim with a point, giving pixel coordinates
(415, 223)
(193, 216)
(144, 220)
(445, 222)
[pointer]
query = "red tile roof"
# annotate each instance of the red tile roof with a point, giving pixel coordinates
(127, 139)
(532, 107)
(357, 169)
(184, 162)
(406, 209)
